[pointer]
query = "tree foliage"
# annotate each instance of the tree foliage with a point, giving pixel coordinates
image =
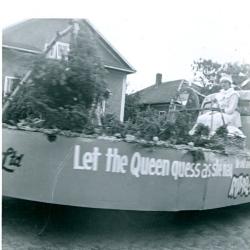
(132, 106)
(207, 72)
(61, 92)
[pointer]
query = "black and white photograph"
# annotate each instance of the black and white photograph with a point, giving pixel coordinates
(125, 125)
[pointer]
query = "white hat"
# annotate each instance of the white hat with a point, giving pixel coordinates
(227, 78)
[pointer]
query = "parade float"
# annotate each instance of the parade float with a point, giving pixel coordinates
(125, 172)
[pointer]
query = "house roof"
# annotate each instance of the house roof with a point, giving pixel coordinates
(162, 93)
(31, 36)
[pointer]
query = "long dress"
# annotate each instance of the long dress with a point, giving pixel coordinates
(227, 101)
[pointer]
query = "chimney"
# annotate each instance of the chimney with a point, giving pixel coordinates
(158, 79)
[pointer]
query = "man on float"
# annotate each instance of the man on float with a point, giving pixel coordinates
(227, 102)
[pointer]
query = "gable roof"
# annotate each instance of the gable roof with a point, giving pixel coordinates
(162, 93)
(31, 36)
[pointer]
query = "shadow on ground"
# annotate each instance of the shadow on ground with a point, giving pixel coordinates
(73, 227)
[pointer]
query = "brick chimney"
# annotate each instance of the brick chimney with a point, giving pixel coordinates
(158, 79)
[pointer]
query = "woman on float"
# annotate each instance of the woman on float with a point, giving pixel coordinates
(227, 102)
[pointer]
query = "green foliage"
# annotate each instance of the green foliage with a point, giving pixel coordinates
(202, 130)
(111, 125)
(222, 132)
(177, 131)
(184, 122)
(132, 107)
(61, 92)
(86, 72)
(148, 124)
(206, 70)
(21, 107)
(208, 73)
(72, 118)
(130, 128)
(202, 137)
(168, 131)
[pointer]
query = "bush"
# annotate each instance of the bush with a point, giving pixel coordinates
(184, 122)
(111, 125)
(148, 124)
(132, 107)
(202, 130)
(70, 118)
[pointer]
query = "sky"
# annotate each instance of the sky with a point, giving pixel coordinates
(155, 36)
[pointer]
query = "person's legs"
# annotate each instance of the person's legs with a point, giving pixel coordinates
(213, 120)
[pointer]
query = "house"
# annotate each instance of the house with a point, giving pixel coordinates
(160, 95)
(24, 41)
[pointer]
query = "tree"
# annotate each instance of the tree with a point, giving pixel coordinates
(208, 72)
(86, 72)
(62, 92)
(132, 106)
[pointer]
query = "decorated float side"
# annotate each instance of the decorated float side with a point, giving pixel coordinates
(124, 171)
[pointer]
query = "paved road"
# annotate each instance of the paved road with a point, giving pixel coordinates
(94, 229)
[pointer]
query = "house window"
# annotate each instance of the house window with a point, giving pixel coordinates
(162, 113)
(59, 50)
(10, 84)
(62, 50)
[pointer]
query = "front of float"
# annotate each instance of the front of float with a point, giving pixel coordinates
(101, 171)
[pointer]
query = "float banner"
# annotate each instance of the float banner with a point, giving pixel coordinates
(113, 174)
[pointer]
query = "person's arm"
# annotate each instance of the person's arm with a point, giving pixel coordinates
(232, 105)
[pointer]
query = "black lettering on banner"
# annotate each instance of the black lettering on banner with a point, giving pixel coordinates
(240, 186)
(11, 159)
